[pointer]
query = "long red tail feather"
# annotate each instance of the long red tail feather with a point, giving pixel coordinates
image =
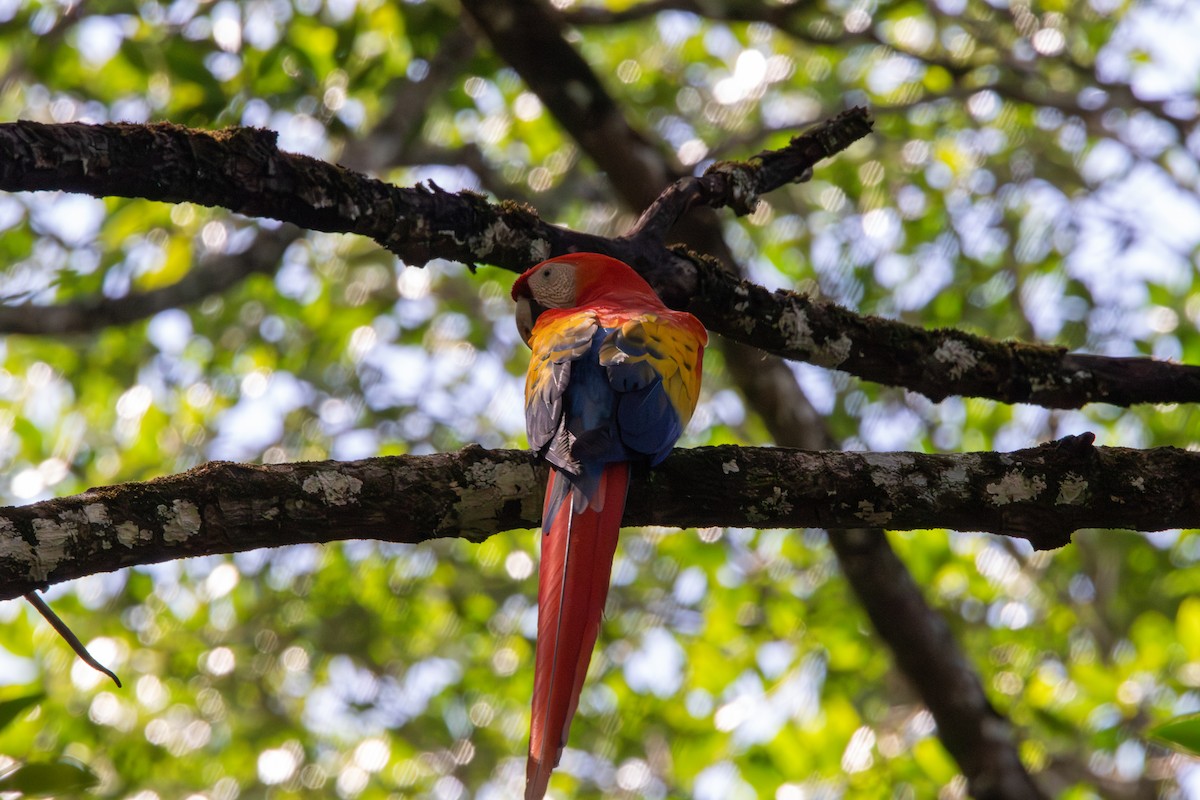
(577, 554)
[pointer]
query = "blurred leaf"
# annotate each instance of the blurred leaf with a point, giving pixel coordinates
(49, 779)
(11, 709)
(1187, 626)
(1181, 733)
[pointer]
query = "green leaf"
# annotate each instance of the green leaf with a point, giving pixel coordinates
(1187, 626)
(11, 709)
(48, 779)
(1181, 733)
(30, 436)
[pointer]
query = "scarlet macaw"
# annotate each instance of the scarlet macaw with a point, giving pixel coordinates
(613, 378)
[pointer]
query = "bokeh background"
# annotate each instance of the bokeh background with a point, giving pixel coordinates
(1033, 175)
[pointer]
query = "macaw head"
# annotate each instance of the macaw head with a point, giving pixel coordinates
(574, 280)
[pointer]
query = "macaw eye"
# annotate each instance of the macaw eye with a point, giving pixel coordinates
(553, 286)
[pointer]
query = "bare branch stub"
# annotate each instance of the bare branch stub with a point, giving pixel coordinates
(792, 164)
(738, 184)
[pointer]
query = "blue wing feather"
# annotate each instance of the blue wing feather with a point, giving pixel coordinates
(602, 401)
(649, 423)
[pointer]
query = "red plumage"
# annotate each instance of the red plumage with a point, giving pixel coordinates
(614, 377)
(577, 556)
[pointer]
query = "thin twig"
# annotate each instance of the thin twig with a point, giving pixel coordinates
(69, 636)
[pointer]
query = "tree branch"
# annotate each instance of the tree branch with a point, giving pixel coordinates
(395, 136)
(241, 169)
(1041, 494)
(936, 363)
(796, 21)
(738, 184)
(977, 736)
(211, 276)
(387, 144)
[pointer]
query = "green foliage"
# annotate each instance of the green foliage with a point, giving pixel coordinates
(1182, 733)
(1008, 191)
(61, 778)
(56, 779)
(9, 709)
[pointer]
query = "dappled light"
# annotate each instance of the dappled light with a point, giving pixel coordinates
(1032, 177)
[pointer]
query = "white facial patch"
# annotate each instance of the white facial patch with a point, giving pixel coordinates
(553, 286)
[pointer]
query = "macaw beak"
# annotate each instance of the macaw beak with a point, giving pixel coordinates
(528, 311)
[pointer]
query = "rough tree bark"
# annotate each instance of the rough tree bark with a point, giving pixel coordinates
(241, 169)
(1042, 494)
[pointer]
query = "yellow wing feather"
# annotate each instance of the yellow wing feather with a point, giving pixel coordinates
(672, 350)
(558, 339)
